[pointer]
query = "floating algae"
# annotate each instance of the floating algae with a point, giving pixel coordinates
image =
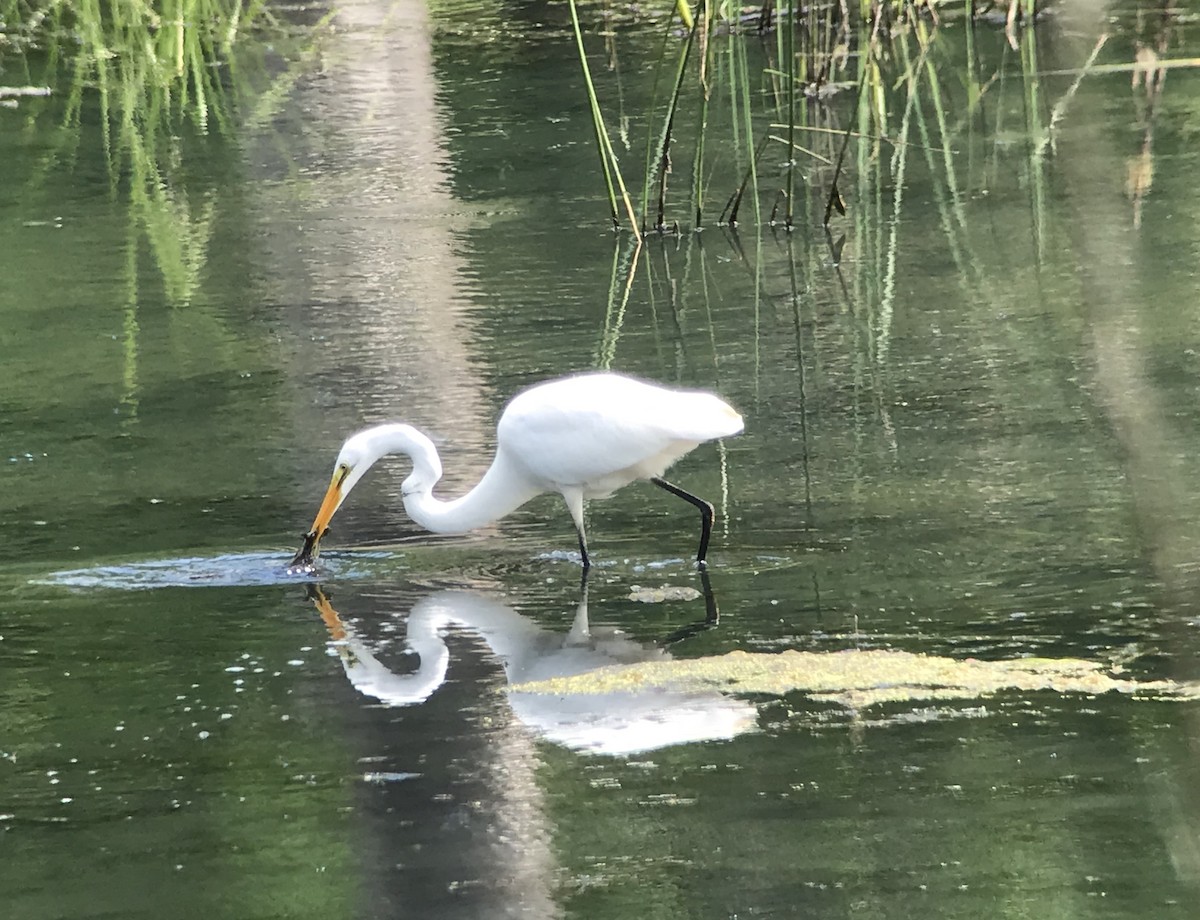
(662, 594)
(858, 679)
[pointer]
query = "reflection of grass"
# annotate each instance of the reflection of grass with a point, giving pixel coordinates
(804, 96)
(153, 80)
(783, 78)
(948, 133)
(157, 94)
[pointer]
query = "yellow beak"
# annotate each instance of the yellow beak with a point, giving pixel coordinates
(307, 554)
(329, 504)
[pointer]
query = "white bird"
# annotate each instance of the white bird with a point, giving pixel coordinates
(583, 436)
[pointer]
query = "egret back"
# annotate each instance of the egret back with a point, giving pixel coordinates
(602, 431)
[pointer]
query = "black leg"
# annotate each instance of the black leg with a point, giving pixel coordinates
(706, 515)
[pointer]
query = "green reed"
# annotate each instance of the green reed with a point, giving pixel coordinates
(773, 81)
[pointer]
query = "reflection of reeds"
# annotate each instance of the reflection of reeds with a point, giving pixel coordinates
(160, 79)
(160, 86)
(779, 75)
(935, 118)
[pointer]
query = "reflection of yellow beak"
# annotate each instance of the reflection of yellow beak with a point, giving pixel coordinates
(337, 630)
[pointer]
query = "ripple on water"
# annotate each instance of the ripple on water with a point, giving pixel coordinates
(223, 571)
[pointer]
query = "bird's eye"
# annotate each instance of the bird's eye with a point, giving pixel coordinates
(342, 472)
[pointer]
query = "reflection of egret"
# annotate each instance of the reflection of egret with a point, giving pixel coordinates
(583, 437)
(618, 723)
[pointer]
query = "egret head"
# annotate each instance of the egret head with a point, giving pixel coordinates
(354, 459)
(357, 455)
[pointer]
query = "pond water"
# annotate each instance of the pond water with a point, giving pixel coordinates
(974, 435)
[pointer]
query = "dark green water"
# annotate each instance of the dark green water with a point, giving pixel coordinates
(975, 437)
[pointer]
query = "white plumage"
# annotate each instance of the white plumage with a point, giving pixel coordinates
(583, 436)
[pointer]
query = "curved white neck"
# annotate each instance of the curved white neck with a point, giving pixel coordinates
(503, 487)
(500, 491)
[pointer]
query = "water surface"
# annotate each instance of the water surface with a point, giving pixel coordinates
(973, 437)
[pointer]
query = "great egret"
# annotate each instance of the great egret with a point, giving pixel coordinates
(583, 436)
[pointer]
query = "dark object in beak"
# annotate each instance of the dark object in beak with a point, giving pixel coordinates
(305, 559)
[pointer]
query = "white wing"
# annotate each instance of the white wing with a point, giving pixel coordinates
(605, 430)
